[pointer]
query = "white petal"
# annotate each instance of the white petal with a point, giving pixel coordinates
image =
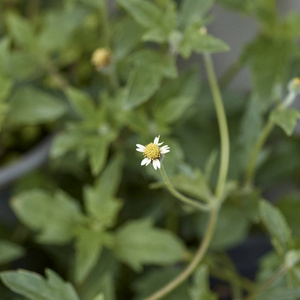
(156, 140)
(145, 161)
(165, 147)
(164, 151)
(160, 143)
(140, 146)
(154, 164)
(140, 149)
(148, 162)
(158, 163)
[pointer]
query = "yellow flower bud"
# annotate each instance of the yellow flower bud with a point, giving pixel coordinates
(202, 30)
(101, 58)
(294, 85)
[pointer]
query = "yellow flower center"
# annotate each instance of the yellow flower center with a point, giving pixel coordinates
(296, 81)
(152, 151)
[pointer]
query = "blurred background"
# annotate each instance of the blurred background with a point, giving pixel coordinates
(69, 123)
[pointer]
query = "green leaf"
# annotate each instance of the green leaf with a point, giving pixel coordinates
(81, 102)
(193, 11)
(53, 216)
(101, 279)
(267, 70)
(248, 134)
(275, 224)
(4, 51)
(143, 12)
(200, 288)
(59, 27)
(22, 65)
(31, 106)
(232, 227)
(98, 147)
(268, 265)
(194, 185)
(185, 85)
(210, 165)
(279, 293)
(159, 22)
(289, 205)
(161, 33)
(194, 41)
(142, 84)
(67, 141)
(99, 297)
(156, 279)
(286, 119)
(138, 243)
(35, 287)
(153, 60)
(88, 249)
(172, 109)
(6, 87)
(100, 201)
(20, 30)
(126, 37)
(10, 251)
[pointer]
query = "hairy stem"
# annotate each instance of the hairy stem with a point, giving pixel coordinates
(225, 144)
(196, 260)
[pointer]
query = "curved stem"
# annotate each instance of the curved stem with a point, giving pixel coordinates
(267, 283)
(250, 171)
(196, 260)
(178, 195)
(225, 144)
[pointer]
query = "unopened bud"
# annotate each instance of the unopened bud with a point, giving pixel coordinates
(292, 258)
(101, 58)
(294, 86)
(202, 30)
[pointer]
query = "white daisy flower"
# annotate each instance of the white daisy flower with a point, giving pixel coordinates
(153, 153)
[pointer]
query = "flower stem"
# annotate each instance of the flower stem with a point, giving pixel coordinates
(223, 128)
(179, 196)
(214, 202)
(250, 171)
(196, 260)
(281, 271)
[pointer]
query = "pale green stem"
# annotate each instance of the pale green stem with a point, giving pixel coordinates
(196, 260)
(289, 99)
(215, 202)
(225, 144)
(281, 271)
(194, 203)
(250, 171)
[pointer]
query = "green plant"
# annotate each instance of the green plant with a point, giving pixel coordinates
(105, 228)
